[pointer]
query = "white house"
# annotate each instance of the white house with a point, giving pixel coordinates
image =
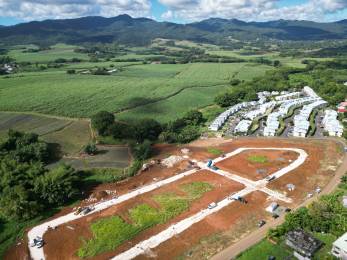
(243, 126)
(339, 249)
(331, 124)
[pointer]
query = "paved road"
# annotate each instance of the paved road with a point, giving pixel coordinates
(255, 237)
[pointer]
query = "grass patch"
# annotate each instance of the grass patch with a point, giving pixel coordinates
(257, 159)
(195, 190)
(109, 233)
(263, 250)
(104, 175)
(214, 151)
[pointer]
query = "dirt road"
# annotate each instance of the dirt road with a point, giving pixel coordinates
(234, 250)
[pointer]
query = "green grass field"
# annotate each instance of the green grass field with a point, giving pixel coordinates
(286, 61)
(168, 87)
(57, 51)
(109, 233)
(215, 151)
(257, 159)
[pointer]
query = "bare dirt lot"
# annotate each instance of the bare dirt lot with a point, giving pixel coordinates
(56, 248)
(220, 229)
(242, 164)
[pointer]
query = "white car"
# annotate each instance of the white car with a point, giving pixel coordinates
(212, 205)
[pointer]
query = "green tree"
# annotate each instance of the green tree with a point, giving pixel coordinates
(102, 120)
(147, 129)
(15, 203)
(193, 117)
(57, 186)
(142, 151)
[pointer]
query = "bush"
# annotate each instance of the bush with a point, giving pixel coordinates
(72, 71)
(91, 149)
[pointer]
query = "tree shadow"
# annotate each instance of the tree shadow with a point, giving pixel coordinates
(55, 153)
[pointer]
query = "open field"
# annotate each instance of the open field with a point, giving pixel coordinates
(57, 51)
(107, 157)
(221, 228)
(286, 61)
(134, 87)
(69, 134)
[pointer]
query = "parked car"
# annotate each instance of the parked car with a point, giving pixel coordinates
(212, 205)
(261, 223)
(275, 216)
(86, 210)
(288, 210)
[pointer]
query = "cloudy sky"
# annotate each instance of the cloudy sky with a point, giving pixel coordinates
(182, 11)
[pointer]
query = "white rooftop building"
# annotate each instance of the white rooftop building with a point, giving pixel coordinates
(310, 92)
(331, 124)
(243, 127)
(222, 118)
(339, 249)
(301, 123)
(288, 96)
(260, 111)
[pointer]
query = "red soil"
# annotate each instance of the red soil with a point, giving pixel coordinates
(62, 243)
(242, 166)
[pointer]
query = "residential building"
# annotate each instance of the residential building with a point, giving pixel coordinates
(243, 127)
(303, 243)
(339, 249)
(331, 124)
(342, 107)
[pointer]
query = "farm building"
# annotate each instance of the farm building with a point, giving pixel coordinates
(340, 247)
(331, 124)
(303, 243)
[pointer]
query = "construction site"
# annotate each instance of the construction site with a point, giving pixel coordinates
(224, 190)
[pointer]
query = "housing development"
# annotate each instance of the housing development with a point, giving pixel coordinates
(275, 107)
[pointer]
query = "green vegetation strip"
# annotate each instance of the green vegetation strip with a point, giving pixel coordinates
(258, 159)
(109, 233)
(214, 151)
(313, 127)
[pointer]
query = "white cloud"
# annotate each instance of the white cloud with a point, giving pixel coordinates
(168, 15)
(260, 10)
(43, 9)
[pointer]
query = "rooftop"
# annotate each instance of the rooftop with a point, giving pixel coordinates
(341, 242)
(303, 242)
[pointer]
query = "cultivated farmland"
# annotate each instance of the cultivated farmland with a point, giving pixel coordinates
(71, 135)
(77, 95)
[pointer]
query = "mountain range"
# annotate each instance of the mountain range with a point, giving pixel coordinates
(140, 31)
